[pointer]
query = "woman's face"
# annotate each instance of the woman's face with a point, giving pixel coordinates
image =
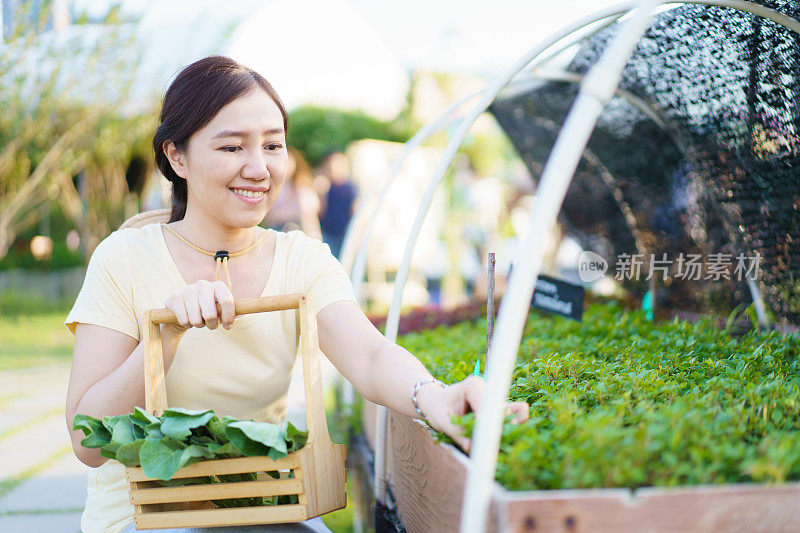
(236, 164)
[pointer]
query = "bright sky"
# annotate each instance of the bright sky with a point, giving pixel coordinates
(469, 35)
(451, 35)
(346, 53)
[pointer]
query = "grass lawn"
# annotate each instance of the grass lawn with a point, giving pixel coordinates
(341, 521)
(35, 339)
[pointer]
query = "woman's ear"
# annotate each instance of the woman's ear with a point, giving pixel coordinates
(176, 158)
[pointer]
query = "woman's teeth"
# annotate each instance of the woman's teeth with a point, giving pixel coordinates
(249, 194)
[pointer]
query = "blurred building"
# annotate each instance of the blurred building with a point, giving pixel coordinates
(63, 14)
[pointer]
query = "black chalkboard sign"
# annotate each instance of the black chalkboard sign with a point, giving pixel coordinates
(559, 297)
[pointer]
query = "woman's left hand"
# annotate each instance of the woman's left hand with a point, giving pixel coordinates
(440, 405)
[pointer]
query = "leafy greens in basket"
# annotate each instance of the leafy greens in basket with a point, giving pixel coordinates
(179, 437)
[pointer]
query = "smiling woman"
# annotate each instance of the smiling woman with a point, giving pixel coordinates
(222, 145)
(221, 122)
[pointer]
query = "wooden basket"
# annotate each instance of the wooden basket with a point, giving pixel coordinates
(318, 467)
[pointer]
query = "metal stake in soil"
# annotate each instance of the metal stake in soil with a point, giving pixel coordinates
(489, 307)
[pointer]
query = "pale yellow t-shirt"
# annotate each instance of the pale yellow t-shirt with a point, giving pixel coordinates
(243, 372)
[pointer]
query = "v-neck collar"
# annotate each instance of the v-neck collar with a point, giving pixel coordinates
(178, 277)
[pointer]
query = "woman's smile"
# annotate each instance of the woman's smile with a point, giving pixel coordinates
(251, 195)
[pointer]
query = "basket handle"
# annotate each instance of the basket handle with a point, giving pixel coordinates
(155, 386)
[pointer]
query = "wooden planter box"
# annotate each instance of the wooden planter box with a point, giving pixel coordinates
(428, 481)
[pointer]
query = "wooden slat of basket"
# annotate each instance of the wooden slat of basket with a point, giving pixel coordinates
(216, 491)
(323, 465)
(225, 466)
(155, 385)
(301, 496)
(245, 306)
(137, 509)
(221, 517)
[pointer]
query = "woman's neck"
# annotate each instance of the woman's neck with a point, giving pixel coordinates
(213, 236)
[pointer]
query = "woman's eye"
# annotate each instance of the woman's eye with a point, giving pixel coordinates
(231, 148)
(273, 147)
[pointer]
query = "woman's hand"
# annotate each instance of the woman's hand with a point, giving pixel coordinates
(440, 404)
(196, 306)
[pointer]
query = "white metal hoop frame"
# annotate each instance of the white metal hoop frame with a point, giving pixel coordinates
(598, 87)
(357, 267)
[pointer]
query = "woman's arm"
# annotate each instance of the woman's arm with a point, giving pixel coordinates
(106, 378)
(107, 375)
(385, 373)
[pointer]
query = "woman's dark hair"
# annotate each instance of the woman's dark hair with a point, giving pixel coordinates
(194, 98)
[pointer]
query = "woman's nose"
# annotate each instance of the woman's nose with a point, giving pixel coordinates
(255, 167)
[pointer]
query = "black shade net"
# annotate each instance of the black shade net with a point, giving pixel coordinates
(698, 153)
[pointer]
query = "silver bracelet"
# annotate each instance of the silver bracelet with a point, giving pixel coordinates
(415, 390)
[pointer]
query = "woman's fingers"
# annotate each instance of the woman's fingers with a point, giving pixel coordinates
(473, 393)
(196, 305)
(191, 300)
(453, 431)
(463, 442)
(208, 305)
(468, 395)
(175, 304)
(222, 294)
(520, 410)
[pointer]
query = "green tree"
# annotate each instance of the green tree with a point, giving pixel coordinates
(316, 131)
(63, 92)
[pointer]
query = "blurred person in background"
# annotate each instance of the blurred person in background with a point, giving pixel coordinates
(339, 192)
(298, 205)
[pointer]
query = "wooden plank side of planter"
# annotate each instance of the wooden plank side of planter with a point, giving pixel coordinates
(427, 479)
(725, 508)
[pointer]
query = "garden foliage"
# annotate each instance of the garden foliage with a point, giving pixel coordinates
(317, 131)
(179, 437)
(71, 126)
(618, 401)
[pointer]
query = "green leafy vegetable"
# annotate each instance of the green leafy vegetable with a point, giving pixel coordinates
(161, 458)
(619, 401)
(163, 445)
(295, 439)
(252, 438)
(96, 433)
(178, 423)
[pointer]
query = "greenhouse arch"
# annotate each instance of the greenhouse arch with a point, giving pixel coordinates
(487, 98)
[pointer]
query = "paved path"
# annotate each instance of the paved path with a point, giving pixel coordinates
(42, 484)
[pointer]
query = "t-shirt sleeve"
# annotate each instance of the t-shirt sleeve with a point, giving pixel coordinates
(106, 297)
(325, 277)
